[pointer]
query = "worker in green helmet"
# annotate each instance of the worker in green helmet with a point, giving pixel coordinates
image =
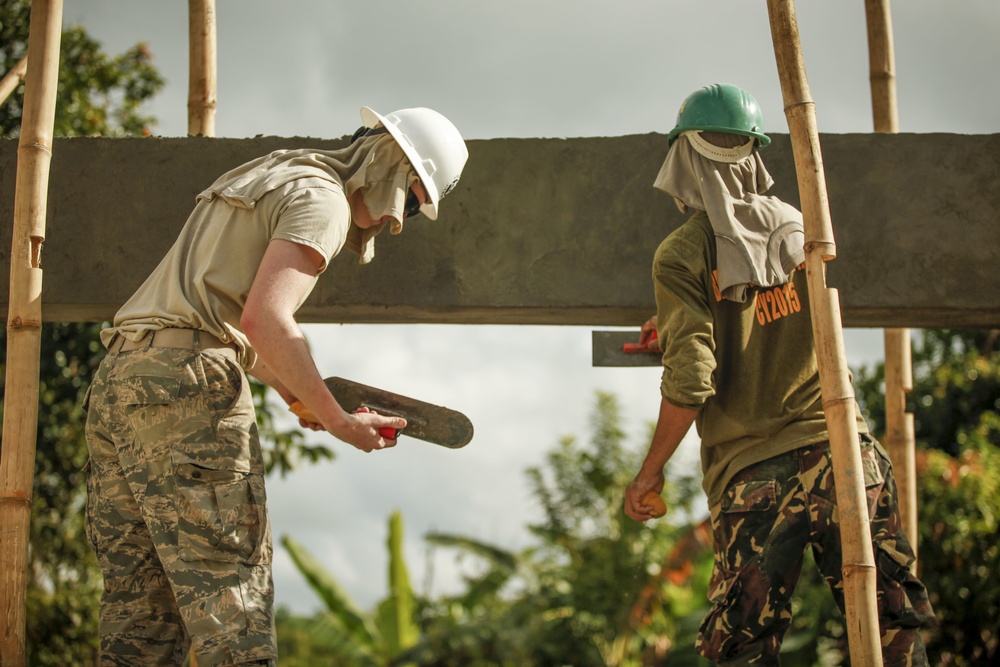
(735, 332)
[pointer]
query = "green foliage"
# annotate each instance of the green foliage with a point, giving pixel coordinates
(586, 594)
(64, 583)
(97, 95)
(307, 641)
(956, 406)
(395, 613)
(959, 554)
(594, 562)
(591, 591)
(956, 379)
(343, 633)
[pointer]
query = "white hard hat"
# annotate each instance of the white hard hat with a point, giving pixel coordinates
(433, 145)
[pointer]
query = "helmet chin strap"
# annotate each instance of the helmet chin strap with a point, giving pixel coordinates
(367, 132)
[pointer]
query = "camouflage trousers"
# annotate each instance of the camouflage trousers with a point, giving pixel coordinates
(769, 514)
(176, 510)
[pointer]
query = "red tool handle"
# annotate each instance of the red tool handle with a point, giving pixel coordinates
(651, 345)
(384, 431)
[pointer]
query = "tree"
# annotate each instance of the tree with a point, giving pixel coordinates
(956, 406)
(955, 383)
(98, 95)
(594, 561)
(597, 588)
(64, 583)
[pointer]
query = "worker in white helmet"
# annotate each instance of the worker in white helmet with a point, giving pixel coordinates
(177, 511)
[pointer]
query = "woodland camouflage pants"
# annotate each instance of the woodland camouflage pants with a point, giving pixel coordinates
(769, 514)
(177, 512)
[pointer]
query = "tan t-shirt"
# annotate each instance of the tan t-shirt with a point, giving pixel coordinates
(203, 281)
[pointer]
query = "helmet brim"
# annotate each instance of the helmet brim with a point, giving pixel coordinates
(762, 139)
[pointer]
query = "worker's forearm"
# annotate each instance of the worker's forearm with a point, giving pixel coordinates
(672, 425)
(285, 360)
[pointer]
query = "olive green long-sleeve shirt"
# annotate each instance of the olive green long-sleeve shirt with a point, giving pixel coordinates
(749, 368)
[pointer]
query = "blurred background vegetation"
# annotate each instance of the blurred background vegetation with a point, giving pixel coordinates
(594, 588)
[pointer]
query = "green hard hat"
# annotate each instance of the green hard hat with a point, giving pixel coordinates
(721, 107)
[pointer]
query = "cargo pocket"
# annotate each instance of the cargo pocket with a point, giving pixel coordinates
(902, 598)
(145, 395)
(745, 520)
(221, 514)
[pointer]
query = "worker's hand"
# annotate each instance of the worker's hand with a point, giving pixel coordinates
(311, 425)
(635, 507)
(369, 430)
(365, 429)
(648, 337)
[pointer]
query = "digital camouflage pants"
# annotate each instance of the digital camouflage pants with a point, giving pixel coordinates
(769, 514)
(177, 512)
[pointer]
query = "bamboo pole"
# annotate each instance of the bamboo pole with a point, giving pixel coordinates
(900, 438)
(838, 395)
(201, 68)
(20, 416)
(13, 79)
(201, 90)
(881, 66)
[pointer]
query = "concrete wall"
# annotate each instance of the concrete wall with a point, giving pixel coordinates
(553, 231)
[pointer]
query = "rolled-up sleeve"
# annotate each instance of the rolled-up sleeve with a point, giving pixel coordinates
(684, 321)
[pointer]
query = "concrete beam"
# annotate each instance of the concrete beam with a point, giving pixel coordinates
(541, 231)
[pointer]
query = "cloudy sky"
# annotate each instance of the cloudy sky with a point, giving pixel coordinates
(520, 68)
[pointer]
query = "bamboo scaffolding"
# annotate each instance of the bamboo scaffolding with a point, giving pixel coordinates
(20, 416)
(838, 395)
(900, 438)
(201, 68)
(13, 79)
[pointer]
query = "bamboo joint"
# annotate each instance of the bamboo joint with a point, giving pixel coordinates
(802, 104)
(838, 400)
(37, 145)
(19, 324)
(16, 500)
(851, 569)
